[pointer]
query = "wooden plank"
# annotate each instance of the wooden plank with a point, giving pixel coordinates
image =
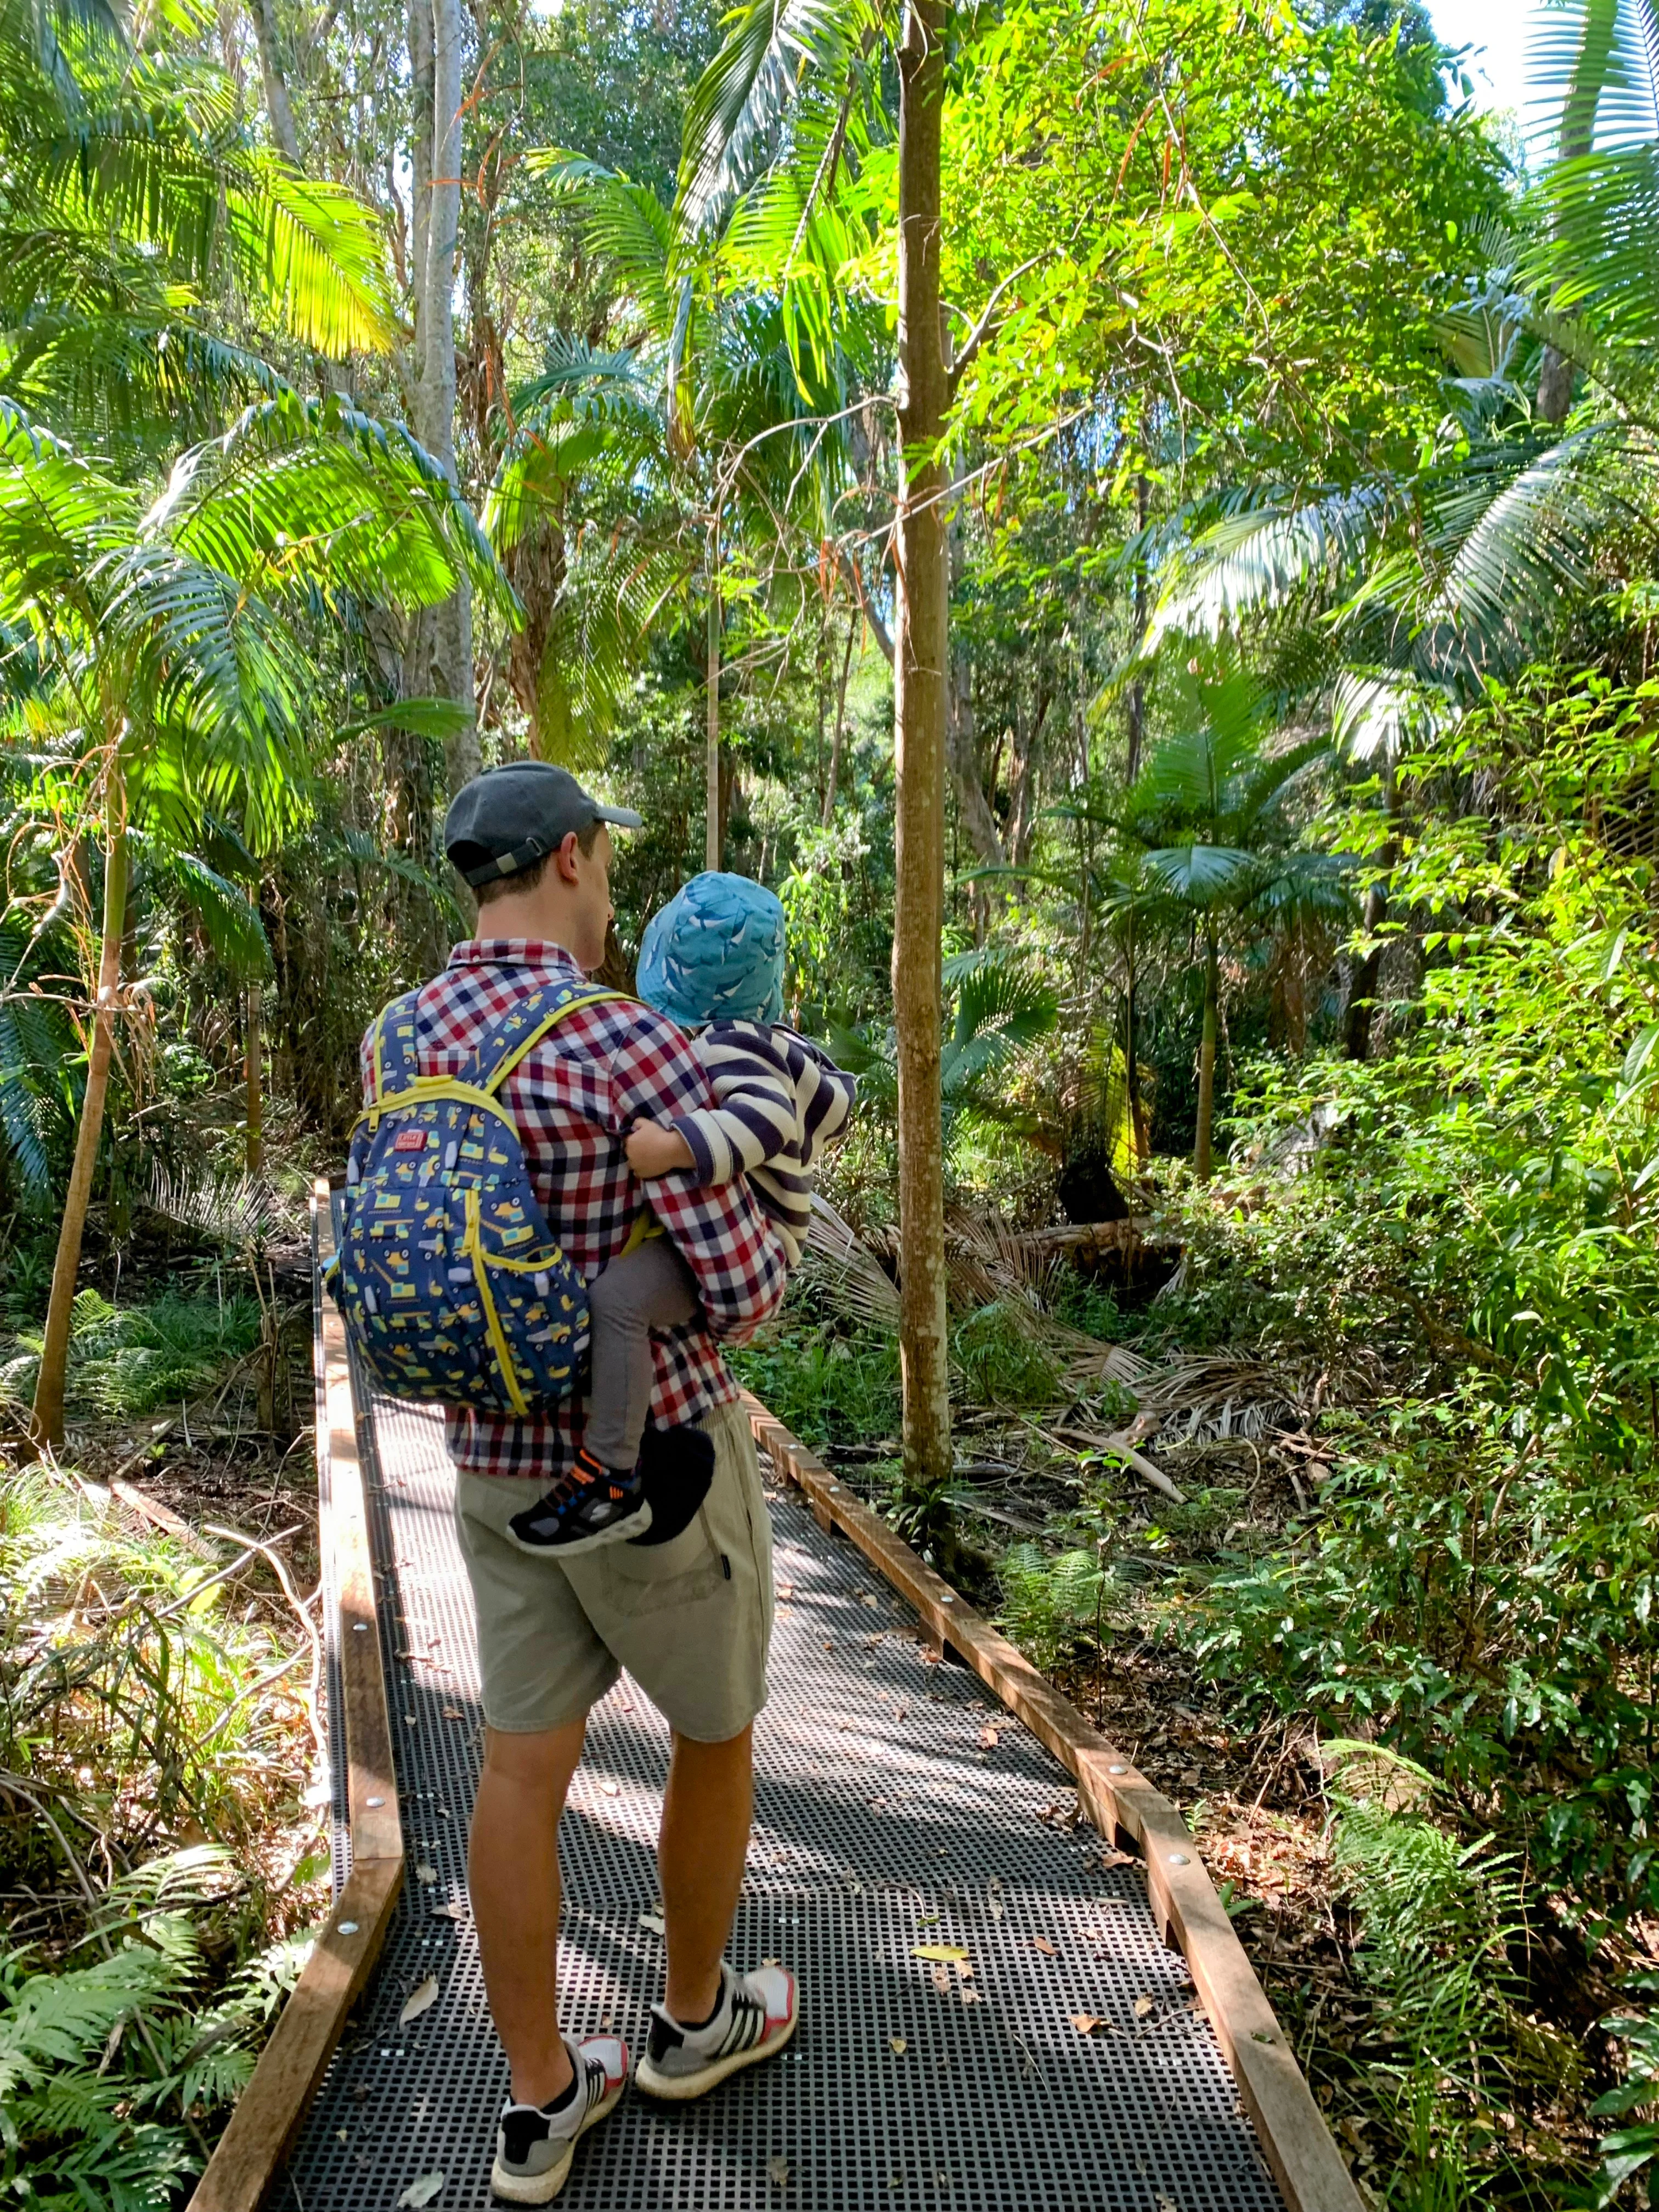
(268, 2113)
(293, 2062)
(1124, 1806)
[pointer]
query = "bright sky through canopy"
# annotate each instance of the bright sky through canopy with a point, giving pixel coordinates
(1504, 29)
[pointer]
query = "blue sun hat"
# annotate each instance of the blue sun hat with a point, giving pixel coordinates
(714, 953)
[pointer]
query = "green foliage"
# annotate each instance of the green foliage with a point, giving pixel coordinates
(106, 2067)
(828, 1386)
(1050, 1601)
(1003, 1364)
(1626, 2150)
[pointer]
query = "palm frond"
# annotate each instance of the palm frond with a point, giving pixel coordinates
(771, 47)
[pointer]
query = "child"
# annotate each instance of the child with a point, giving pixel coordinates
(711, 960)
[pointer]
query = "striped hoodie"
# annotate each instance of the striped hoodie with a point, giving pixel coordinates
(781, 1100)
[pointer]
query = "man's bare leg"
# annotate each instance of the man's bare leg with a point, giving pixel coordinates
(513, 1872)
(704, 1841)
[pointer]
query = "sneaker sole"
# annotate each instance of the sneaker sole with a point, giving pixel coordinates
(680, 2088)
(618, 1532)
(542, 2188)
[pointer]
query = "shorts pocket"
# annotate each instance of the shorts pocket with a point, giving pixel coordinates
(635, 1579)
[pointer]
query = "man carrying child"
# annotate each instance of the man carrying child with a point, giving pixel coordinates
(686, 1604)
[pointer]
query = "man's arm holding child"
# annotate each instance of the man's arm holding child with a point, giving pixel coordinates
(720, 1233)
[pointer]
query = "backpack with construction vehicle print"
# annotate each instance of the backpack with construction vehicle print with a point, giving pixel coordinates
(450, 1279)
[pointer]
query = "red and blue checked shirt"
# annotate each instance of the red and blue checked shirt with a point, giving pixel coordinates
(572, 1097)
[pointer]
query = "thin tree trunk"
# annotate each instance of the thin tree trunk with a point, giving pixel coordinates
(47, 1428)
(1362, 986)
(280, 114)
(919, 672)
(832, 780)
(1138, 690)
(713, 834)
(1203, 1159)
(256, 1104)
(453, 624)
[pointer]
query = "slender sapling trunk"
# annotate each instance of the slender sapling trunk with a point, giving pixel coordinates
(1203, 1158)
(712, 837)
(254, 1072)
(46, 1425)
(920, 646)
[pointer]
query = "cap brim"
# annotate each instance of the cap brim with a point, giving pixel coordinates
(624, 817)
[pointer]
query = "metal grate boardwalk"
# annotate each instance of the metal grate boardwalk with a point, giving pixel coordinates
(897, 1805)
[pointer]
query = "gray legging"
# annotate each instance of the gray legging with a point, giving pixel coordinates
(648, 1288)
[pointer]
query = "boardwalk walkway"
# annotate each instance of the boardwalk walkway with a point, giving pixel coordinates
(898, 1806)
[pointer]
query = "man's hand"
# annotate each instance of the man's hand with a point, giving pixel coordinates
(653, 1150)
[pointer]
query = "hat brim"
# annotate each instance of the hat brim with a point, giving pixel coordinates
(624, 817)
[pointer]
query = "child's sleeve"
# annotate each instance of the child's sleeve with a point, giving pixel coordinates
(826, 1096)
(756, 1120)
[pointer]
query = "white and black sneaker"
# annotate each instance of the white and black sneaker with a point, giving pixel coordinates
(534, 2143)
(756, 2016)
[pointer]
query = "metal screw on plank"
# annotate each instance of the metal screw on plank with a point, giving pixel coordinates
(1176, 1858)
(348, 1928)
(1117, 1769)
(374, 1801)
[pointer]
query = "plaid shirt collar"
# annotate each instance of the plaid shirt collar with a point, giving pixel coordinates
(515, 952)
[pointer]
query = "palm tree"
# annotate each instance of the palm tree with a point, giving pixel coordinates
(164, 682)
(135, 201)
(1207, 819)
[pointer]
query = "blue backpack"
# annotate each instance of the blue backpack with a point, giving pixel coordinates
(449, 1275)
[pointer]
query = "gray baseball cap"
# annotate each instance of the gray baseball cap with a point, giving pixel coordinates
(511, 817)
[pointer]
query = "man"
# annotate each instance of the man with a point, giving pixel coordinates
(690, 1618)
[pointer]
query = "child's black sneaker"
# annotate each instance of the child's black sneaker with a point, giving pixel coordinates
(594, 1504)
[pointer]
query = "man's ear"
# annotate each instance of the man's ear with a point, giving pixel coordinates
(564, 858)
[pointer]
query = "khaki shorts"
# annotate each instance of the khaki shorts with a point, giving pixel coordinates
(691, 1620)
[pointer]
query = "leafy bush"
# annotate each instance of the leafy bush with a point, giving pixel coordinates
(129, 1681)
(128, 1361)
(827, 1387)
(1049, 1602)
(1440, 1923)
(107, 2069)
(1001, 1363)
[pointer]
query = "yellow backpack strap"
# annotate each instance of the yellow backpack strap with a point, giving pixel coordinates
(646, 1226)
(506, 1044)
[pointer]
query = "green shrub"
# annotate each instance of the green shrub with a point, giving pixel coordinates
(108, 2068)
(1049, 1602)
(830, 1388)
(1001, 1364)
(130, 1360)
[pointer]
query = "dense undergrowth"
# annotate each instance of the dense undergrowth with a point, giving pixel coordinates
(159, 1848)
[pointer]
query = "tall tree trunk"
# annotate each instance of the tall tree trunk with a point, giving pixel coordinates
(280, 114)
(1138, 690)
(713, 833)
(254, 1075)
(1203, 1158)
(1362, 986)
(47, 1427)
(452, 650)
(920, 665)
(830, 781)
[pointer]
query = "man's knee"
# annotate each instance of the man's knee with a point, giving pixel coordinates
(541, 1760)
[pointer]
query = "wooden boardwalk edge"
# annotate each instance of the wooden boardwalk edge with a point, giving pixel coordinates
(1123, 1805)
(268, 2113)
